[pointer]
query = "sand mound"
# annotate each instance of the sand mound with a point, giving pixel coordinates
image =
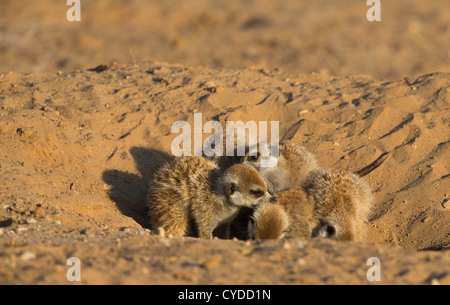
(77, 150)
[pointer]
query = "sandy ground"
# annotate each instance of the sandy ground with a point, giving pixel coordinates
(324, 36)
(77, 147)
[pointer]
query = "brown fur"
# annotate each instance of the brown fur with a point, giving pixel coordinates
(270, 222)
(294, 164)
(342, 201)
(292, 216)
(192, 196)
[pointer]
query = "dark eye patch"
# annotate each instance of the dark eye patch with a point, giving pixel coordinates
(254, 158)
(257, 193)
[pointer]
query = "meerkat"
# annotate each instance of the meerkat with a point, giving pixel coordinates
(342, 204)
(291, 216)
(289, 171)
(191, 196)
(285, 170)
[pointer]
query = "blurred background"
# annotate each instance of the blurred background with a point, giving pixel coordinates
(295, 36)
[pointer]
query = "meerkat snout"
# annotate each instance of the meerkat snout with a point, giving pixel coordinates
(325, 231)
(244, 186)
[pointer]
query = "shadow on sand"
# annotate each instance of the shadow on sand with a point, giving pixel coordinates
(129, 191)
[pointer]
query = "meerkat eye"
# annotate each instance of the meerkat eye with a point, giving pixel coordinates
(257, 193)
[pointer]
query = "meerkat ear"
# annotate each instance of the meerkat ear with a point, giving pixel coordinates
(230, 189)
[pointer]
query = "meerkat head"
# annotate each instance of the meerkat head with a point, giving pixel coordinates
(341, 203)
(266, 163)
(269, 221)
(262, 159)
(244, 186)
(335, 225)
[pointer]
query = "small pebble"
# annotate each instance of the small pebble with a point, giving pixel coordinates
(446, 204)
(159, 232)
(27, 255)
(126, 230)
(435, 282)
(142, 232)
(286, 245)
(30, 220)
(21, 229)
(212, 263)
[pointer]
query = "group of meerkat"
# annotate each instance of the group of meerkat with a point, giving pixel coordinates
(296, 198)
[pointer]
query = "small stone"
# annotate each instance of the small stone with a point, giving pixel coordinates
(299, 244)
(30, 220)
(212, 263)
(185, 275)
(142, 232)
(108, 187)
(159, 232)
(286, 245)
(126, 230)
(21, 229)
(86, 231)
(39, 212)
(446, 204)
(435, 282)
(27, 255)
